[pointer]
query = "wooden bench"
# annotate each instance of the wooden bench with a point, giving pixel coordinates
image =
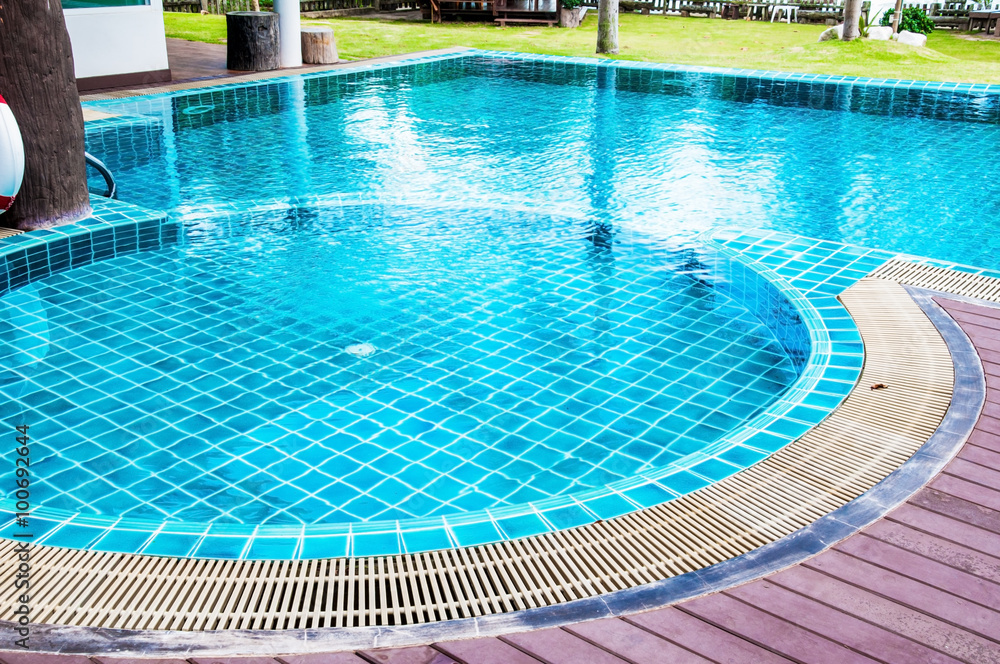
(184, 7)
(954, 22)
(697, 8)
(503, 21)
(632, 6)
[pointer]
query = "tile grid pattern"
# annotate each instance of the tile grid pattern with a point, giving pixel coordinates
(919, 585)
(838, 460)
(782, 423)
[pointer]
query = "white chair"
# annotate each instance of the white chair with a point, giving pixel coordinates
(789, 11)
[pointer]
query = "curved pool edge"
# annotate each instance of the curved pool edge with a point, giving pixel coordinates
(829, 374)
(959, 413)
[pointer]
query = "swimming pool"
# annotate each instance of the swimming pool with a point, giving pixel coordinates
(454, 301)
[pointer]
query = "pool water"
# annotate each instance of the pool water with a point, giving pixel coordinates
(684, 152)
(465, 287)
(511, 357)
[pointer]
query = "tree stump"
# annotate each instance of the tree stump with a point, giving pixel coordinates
(318, 45)
(252, 41)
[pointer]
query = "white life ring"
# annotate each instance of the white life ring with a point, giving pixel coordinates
(11, 157)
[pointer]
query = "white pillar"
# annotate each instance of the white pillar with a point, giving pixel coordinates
(289, 27)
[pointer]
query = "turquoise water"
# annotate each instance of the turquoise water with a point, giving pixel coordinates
(513, 357)
(462, 288)
(681, 152)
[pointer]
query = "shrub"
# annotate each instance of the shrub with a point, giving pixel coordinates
(913, 19)
(571, 4)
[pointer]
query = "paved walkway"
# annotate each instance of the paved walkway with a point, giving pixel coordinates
(920, 585)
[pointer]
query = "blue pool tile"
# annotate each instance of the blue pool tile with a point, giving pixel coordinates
(169, 544)
(714, 469)
(683, 482)
(218, 546)
(569, 516)
(524, 525)
(430, 539)
(272, 548)
(325, 546)
(375, 544)
(474, 534)
(610, 506)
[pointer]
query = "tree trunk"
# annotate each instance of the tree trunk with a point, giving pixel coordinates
(607, 26)
(852, 16)
(38, 81)
(252, 41)
(896, 16)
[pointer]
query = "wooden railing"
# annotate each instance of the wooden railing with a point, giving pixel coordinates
(188, 7)
(327, 5)
(223, 6)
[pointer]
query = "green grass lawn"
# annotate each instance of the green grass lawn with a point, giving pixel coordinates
(694, 41)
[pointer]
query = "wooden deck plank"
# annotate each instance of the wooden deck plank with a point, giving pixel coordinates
(699, 636)
(42, 658)
(318, 658)
(234, 660)
(131, 660)
(485, 651)
(985, 439)
(960, 310)
(414, 655)
(947, 528)
(982, 456)
(557, 646)
(971, 491)
(769, 631)
(909, 592)
(889, 615)
(988, 424)
(938, 575)
(935, 548)
(638, 645)
(836, 625)
(958, 509)
(971, 471)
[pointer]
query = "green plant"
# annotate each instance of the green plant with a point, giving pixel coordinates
(570, 4)
(864, 25)
(913, 19)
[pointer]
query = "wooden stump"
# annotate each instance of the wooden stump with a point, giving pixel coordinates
(252, 41)
(318, 45)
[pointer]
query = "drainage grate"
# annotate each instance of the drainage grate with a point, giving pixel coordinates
(857, 446)
(940, 279)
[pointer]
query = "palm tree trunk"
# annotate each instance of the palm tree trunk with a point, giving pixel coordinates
(37, 79)
(896, 16)
(607, 26)
(852, 16)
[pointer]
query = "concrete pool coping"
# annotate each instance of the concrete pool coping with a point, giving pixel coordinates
(882, 335)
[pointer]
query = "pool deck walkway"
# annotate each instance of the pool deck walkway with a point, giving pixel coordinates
(920, 585)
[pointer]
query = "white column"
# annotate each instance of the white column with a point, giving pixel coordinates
(289, 27)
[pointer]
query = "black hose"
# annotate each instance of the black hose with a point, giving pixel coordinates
(109, 179)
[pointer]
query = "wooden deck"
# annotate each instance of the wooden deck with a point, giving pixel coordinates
(920, 585)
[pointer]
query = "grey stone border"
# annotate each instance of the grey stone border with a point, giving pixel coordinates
(968, 398)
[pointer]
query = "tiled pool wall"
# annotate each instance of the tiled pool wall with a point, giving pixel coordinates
(115, 228)
(887, 97)
(968, 102)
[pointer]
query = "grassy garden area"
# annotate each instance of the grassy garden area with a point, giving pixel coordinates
(693, 41)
